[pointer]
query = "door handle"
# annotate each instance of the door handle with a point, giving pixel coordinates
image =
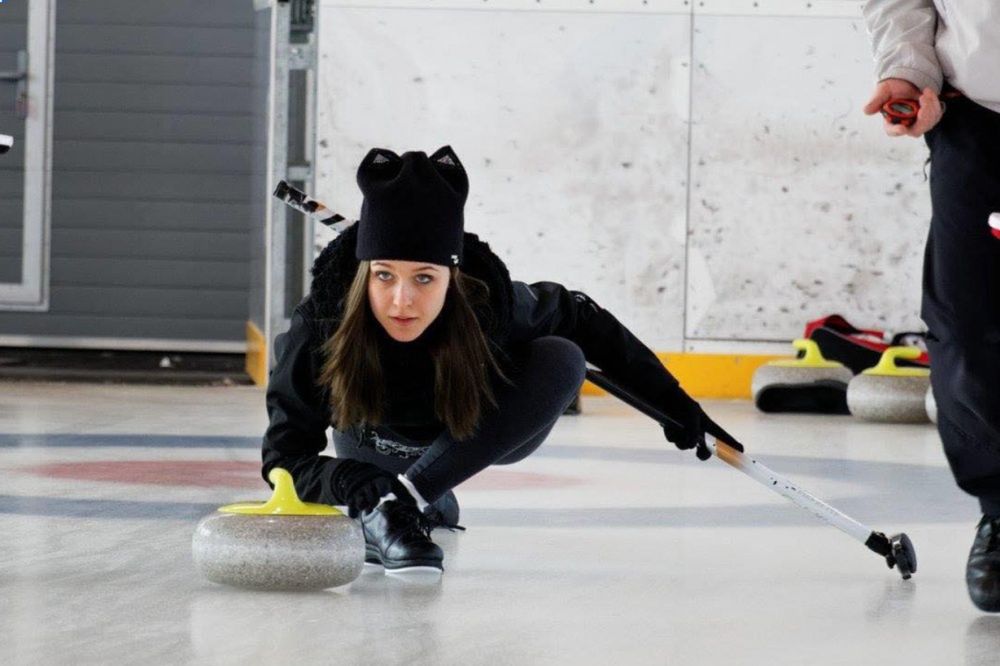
(22, 69)
(20, 77)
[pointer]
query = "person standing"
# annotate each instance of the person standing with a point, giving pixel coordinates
(945, 55)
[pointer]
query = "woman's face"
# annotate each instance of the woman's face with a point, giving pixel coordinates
(407, 296)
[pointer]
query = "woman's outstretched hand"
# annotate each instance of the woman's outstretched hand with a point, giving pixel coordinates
(693, 425)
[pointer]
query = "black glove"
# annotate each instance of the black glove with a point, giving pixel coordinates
(693, 424)
(360, 485)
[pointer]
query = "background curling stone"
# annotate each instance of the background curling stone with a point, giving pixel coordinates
(806, 384)
(281, 544)
(888, 393)
(931, 405)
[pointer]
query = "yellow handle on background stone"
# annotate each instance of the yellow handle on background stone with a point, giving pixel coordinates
(812, 357)
(887, 364)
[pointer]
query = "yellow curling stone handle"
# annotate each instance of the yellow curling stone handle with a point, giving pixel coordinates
(813, 357)
(887, 364)
(285, 501)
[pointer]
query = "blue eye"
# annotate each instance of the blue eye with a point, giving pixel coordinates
(425, 279)
(384, 276)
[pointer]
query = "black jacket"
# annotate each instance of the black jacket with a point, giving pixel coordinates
(299, 409)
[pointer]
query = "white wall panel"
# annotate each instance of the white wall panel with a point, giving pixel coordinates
(800, 205)
(572, 127)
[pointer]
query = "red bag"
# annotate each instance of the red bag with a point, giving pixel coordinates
(860, 348)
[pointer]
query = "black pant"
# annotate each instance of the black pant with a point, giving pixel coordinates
(961, 295)
(550, 372)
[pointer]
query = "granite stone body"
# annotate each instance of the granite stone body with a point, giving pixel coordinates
(931, 404)
(769, 376)
(888, 399)
(275, 552)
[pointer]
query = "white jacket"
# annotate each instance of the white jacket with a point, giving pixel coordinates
(927, 42)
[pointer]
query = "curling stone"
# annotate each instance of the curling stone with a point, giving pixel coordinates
(809, 383)
(930, 404)
(889, 393)
(281, 544)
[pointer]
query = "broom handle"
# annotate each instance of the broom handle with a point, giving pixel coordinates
(744, 463)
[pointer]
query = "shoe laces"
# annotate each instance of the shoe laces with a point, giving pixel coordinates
(415, 518)
(436, 519)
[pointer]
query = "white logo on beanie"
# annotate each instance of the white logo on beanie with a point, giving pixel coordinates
(454, 259)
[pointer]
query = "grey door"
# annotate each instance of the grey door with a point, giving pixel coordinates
(25, 115)
(151, 176)
(13, 45)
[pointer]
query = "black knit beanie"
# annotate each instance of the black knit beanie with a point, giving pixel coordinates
(412, 209)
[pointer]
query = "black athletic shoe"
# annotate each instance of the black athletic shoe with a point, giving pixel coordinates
(397, 536)
(444, 512)
(982, 573)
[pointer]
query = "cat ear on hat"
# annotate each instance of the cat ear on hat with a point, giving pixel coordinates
(447, 164)
(379, 165)
(445, 156)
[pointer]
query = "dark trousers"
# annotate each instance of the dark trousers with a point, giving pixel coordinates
(961, 295)
(549, 373)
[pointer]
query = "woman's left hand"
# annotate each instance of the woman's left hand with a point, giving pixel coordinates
(693, 425)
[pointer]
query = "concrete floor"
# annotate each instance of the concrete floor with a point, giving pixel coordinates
(607, 544)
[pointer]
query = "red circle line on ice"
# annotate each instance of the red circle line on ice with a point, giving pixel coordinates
(239, 474)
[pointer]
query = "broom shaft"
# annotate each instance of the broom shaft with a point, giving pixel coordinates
(744, 463)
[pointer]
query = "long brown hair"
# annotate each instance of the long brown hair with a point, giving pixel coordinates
(463, 361)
